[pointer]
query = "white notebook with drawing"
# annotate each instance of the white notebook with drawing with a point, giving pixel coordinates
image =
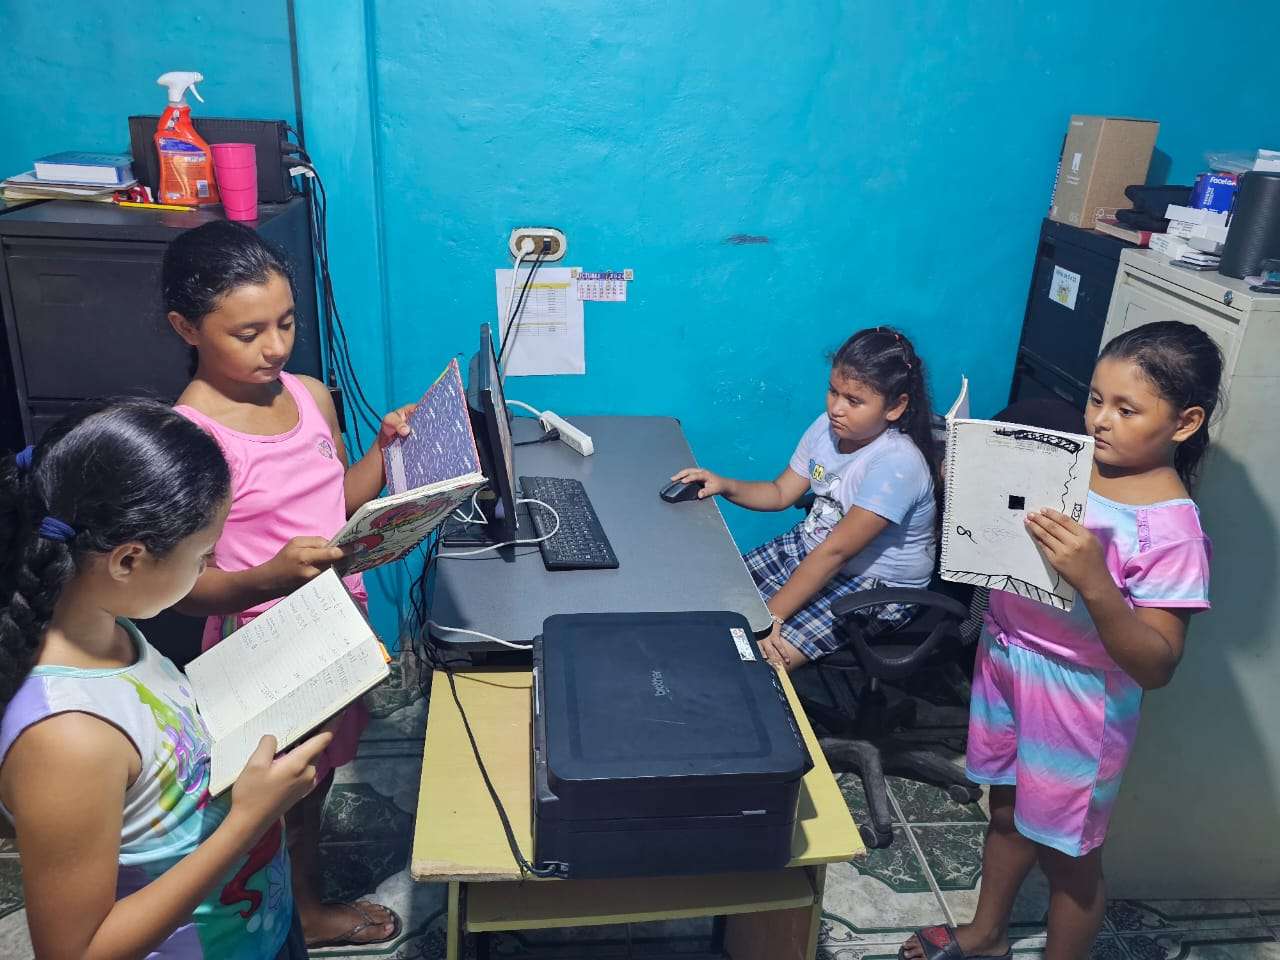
(284, 673)
(995, 474)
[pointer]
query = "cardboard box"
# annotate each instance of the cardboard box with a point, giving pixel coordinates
(1100, 157)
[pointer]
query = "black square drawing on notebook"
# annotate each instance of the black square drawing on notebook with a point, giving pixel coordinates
(1017, 503)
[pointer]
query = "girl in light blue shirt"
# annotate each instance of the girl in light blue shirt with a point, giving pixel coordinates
(870, 462)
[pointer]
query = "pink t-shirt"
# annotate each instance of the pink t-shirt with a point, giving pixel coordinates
(285, 486)
(1158, 556)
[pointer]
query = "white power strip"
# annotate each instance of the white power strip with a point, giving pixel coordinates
(572, 437)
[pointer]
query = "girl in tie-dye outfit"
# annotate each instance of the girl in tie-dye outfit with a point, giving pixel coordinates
(1056, 695)
(104, 760)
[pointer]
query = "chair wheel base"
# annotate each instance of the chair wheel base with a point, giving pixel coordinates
(874, 839)
(964, 794)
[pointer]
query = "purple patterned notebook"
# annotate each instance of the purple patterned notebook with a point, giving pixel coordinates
(429, 473)
(442, 445)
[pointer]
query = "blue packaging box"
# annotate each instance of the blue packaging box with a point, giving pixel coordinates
(1214, 191)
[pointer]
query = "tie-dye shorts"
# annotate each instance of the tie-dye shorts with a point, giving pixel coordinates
(1059, 732)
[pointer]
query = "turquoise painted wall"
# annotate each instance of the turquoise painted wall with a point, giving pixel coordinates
(75, 71)
(898, 157)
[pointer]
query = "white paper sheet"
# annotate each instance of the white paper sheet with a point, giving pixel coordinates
(996, 474)
(1065, 287)
(547, 335)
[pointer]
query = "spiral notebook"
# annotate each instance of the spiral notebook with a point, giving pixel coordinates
(442, 444)
(429, 474)
(995, 474)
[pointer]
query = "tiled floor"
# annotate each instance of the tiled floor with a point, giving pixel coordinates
(931, 874)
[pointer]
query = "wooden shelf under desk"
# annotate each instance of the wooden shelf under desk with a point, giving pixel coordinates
(541, 904)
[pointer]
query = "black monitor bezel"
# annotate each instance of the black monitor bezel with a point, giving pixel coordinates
(502, 523)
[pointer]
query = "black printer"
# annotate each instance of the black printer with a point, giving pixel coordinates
(662, 744)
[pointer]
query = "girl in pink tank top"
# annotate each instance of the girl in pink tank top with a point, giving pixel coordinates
(229, 295)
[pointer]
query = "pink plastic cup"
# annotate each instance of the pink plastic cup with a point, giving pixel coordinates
(235, 166)
(234, 155)
(240, 204)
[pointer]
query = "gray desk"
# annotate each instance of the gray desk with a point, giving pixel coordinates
(672, 556)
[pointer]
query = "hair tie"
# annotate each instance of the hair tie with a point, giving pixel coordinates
(51, 528)
(23, 459)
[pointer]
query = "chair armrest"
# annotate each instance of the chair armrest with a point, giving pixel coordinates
(854, 602)
(935, 612)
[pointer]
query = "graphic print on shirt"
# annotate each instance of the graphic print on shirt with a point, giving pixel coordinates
(263, 856)
(184, 779)
(818, 473)
(823, 517)
(184, 774)
(826, 511)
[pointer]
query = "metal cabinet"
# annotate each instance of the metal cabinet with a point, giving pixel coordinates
(80, 294)
(1061, 339)
(1199, 811)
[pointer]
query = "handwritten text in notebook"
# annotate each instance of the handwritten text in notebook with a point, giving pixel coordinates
(284, 673)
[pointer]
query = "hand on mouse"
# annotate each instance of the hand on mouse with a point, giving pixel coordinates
(711, 483)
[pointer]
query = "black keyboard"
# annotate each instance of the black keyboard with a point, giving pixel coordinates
(579, 543)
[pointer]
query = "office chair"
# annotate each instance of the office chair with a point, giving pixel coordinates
(946, 625)
(869, 741)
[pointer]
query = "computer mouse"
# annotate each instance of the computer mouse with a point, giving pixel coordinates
(678, 492)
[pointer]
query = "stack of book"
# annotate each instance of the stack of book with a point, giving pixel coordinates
(1192, 223)
(1194, 238)
(72, 175)
(1146, 218)
(1180, 250)
(1114, 228)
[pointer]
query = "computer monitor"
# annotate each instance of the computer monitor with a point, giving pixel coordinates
(493, 437)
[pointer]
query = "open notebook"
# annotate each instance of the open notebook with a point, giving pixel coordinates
(284, 673)
(995, 474)
(429, 473)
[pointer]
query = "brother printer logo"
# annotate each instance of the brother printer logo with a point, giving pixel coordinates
(660, 688)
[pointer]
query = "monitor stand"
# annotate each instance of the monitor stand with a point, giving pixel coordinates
(459, 535)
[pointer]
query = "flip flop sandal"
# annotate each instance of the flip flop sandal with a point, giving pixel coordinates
(940, 943)
(349, 939)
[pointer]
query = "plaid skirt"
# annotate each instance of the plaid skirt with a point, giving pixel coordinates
(811, 629)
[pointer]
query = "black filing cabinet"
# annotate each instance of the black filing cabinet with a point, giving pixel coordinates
(80, 295)
(10, 417)
(1060, 343)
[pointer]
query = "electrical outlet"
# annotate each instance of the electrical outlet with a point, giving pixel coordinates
(558, 245)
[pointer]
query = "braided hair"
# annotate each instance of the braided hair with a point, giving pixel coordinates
(886, 361)
(110, 475)
(1185, 366)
